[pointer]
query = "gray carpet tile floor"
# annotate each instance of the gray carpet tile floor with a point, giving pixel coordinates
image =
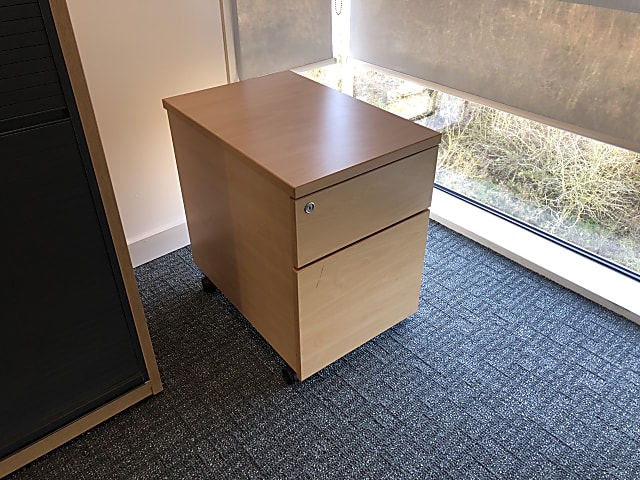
(501, 374)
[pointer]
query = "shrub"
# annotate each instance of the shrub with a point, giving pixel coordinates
(577, 178)
(578, 189)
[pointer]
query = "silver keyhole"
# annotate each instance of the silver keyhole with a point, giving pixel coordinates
(308, 208)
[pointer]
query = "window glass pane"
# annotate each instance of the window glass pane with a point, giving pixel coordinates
(577, 189)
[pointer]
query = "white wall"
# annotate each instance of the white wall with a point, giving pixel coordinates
(135, 53)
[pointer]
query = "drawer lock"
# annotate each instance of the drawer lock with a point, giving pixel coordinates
(308, 208)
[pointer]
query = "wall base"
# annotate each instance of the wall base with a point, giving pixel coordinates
(590, 279)
(159, 244)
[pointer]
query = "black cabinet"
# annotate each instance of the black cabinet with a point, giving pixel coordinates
(72, 334)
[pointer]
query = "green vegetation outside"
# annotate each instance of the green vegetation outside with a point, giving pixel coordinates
(583, 191)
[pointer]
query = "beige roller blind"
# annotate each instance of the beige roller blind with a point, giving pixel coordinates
(577, 65)
(275, 35)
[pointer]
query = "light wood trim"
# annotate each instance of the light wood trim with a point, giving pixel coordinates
(45, 445)
(304, 135)
(357, 293)
(361, 206)
(241, 230)
(71, 55)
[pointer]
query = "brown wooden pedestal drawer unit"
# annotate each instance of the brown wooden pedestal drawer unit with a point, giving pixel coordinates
(307, 208)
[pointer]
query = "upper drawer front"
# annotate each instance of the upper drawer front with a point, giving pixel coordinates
(351, 210)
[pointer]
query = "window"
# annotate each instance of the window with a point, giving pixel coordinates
(580, 192)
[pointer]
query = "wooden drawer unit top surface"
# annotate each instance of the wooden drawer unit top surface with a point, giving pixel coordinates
(303, 135)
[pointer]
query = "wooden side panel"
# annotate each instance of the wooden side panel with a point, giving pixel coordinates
(357, 293)
(241, 228)
(69, 47)
(359, 207)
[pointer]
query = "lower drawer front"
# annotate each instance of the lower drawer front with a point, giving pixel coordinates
(357, 208)
(357, 293)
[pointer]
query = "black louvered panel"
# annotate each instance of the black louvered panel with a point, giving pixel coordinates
(4, 3)
(67, 348)
(18, 82)
(29, 84)
(16, 10)
(21, 40)
(20, 26)
(13, 117)
(29, 66)
(31, 52)
(20, 97)
(74, 349)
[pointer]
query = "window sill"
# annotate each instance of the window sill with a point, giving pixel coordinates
(571, 270)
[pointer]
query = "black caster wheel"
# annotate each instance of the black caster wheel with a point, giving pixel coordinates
(289, 375)
(207, 285)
